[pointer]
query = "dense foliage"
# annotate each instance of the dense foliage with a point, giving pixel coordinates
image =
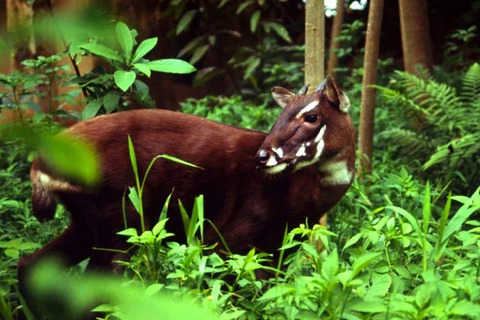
(404, 243)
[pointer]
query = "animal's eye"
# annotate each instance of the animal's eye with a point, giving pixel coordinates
(311, 118)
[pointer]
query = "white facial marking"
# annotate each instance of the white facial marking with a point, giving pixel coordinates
(276, 169)
(278, 151)
(337, 173)
(46, 183)
(320, 134)
(271, 162)
(318, 154)
(302, 151)
(307, 108)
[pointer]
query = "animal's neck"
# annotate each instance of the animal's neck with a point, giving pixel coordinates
(336, 171)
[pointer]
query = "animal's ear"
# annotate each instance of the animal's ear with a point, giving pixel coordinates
(282, 96)
(334, 93)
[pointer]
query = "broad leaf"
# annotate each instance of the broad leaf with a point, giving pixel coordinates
(125, 40)
(102, 51)
(124, 79)
(171, 66)
(145, 47)
(91, 109)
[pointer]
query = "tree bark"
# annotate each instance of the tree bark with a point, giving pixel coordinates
(315, 55)
(372, 47)
(19, 25)
(334, 45)
(314, 42)
(416, 42)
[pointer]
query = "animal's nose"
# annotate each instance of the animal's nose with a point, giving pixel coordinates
(263, 156)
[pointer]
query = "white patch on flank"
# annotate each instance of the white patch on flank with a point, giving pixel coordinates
(320, 134)
(278, 151)
(276, 169)
(337, 172)
(271, 162)
(307, 108)
(302, 151)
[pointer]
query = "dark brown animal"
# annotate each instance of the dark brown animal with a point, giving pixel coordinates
(254, 183)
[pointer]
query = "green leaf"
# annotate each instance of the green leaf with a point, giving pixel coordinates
(143, 68)
(191, 45)
(254, 21)
(280, 31)
(185, 21)
(135, 199)
(198, 53)
(171, 66)
(110, 101)
(102, 51)
(177, 160)
(124, 79)
(125, 40)
(65, 152)
(370, 306)
(12, 253)
(91, 109)
(130, 232)
(243, 6)
(145, 47)
(142, 89)
(364, 261)
(276, 292)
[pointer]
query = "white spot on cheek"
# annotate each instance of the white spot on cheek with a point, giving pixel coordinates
(307, 108)
(278, 151)
(271, 162)
(318, 154)
(301, 151)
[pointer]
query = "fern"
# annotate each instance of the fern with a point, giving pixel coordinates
(440, 126)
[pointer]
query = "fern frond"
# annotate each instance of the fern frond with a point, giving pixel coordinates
(455, 151)
(411, 144)
(471, 87)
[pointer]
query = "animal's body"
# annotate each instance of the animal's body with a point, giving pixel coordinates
(254, 183)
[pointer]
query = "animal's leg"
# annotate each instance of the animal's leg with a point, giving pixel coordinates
(72, 246)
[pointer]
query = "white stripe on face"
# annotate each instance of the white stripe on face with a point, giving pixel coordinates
(278, 151)
(320, 134)
(320, 145)
(307, 108)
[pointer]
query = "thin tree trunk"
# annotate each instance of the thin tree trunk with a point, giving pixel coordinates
(334, 45)
(19, 24)
(315, 54)
(372, 47)
(416, 44)
(314, 42)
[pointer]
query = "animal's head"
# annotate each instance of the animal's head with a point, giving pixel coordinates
(312, 128)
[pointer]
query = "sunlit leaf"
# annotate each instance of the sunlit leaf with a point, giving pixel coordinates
(171, 66)
(125, 40)
(124, 79)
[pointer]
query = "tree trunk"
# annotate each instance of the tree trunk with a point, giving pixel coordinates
(19, 24)
(315, 54)
(334, 45)
(416, 46)
(372, 46)
(314, 42)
